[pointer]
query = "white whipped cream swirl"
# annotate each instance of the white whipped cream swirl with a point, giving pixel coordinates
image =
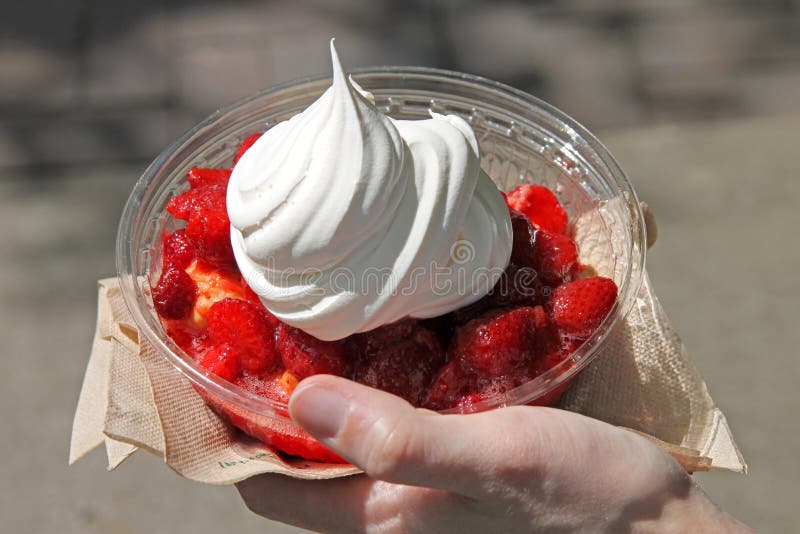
(343, 219)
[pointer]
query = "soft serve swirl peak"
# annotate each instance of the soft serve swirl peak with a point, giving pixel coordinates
(344, 219)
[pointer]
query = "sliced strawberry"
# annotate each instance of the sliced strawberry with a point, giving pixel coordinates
(185, 336)
(288, 382)
(468, 401)
(192, 200)
(249, 294)
(266, 385)
(518, 286)
(213, 285)
(246, 327)
(579, 307)
(559, 351)
(451, 382)
(208, 226)
(224, 361)
(443, 326)
(523, 251)
(175, 294)
(556, 257)
(404, 366)
(200, 176)
(177, 251)
(500, 342)
(496, 386)
(246, 144)
(500, 385)
(371, 342)
(555, 350)
(209, 230)
(304, 355)
(540, 206)
(551, 397)
(283, 435)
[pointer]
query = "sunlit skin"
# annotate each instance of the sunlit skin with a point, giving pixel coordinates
(517, 469)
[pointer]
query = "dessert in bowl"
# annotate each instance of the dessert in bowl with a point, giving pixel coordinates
(246, 309)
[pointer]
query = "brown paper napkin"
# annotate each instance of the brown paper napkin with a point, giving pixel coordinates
(132, 398)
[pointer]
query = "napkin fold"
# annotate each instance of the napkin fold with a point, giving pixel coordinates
(132, 398)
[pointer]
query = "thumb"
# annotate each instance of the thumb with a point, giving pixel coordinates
(393, 441)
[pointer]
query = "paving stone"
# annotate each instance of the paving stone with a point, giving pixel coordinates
(711, 37)
(56, 25)
(648, 7)
(34, 75)
(211, 76)
(11, 154)
(131, 66)
(279, 42)
(769, 90)
(38, 54)
(695, 92)
(585, 73)
(120, 134)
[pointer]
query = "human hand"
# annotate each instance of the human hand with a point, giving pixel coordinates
(515, 469)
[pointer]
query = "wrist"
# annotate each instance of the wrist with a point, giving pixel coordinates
(692, 511)
(662, 497)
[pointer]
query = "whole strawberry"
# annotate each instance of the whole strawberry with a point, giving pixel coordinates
(199, 177)
(556, 257)
(404, 366)
(579, 307)
(224, 361)
(304, 355)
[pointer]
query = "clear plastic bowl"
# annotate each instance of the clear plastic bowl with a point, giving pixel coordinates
(522, 140)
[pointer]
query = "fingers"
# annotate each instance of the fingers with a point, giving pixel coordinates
(319, 505)
(393, 441)
(352, 504)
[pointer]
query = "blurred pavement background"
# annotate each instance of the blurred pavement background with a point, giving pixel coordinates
(698, 99)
